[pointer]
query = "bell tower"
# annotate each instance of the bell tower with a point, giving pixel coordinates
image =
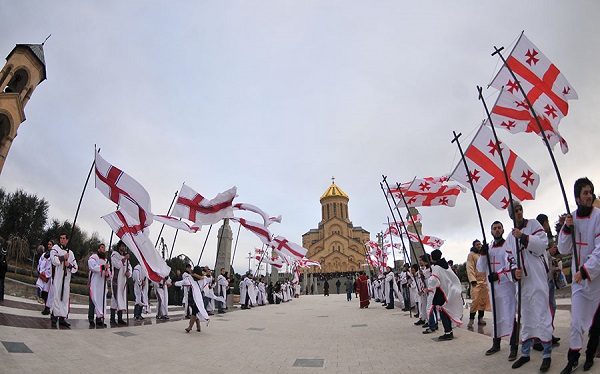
(25, 69)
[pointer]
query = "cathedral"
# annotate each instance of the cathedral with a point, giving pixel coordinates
(336, 243)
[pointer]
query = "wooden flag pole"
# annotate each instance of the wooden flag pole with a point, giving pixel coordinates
(163, 225)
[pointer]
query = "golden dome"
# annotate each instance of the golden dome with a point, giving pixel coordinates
(334, 190)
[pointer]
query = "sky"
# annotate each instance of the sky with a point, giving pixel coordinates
(278, 97)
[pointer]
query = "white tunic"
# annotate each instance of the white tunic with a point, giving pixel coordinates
(99, 273)
(62, 277)
(243, 291)
(162, 296)
(189, 281)
(251, 289)
(120, 266)
(140, 288)
(44, 267)
(389, 283)
(585, 297)
(262, 294)
(448, 282)
(505, 302)
(536, 314)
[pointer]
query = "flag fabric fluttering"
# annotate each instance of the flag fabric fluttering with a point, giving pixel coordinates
(545, 86)
(202, 211)
(258, 229)
(391, 230)
(288, 248)
(485, 167)
(511, 113)
(305, 262)
(273, 261)
(430, 191)
(252, 208)
(130, 231)
(123, 190)
(177, 223)
(432, 241)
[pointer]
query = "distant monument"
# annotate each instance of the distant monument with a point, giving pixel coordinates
(25, 69)
(336, 243)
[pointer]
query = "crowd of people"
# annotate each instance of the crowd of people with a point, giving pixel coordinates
(503, 273)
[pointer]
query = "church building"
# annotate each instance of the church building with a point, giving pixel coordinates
(336, 243)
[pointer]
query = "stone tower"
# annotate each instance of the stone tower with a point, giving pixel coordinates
(25, 69)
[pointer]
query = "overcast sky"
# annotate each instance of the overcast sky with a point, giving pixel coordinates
(276, 97)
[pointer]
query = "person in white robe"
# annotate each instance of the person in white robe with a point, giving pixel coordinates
(504, 300)
(208, 292)
(584, 225)
(196, 300)
(99, 274)
(448, 294)
(250, 291)
(262, 293)
(162, 297)
(421, 294)
(44, 280)
(243, 292)
(413, 287)
(121, 271)
(536, 316)
(64, 263)
(222, 286)
(140, 291)
(390, 287)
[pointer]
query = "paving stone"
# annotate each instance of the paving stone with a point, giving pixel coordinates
(16, 347)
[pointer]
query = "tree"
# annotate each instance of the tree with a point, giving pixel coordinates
(23, 215)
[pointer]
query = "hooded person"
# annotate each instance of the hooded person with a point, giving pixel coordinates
(448, 294)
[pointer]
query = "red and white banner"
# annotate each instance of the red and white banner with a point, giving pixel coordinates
(288, 248)
(274, 261)
(202, 211)
(511, 112)
(305, 262)
(177, 223)
(431, 191)
(123, 190)
(545, 86)
(252, 208)
(432, 241)
(130, 231)
(258, 229)
(485, 167)
(391, 230)
(259, 251)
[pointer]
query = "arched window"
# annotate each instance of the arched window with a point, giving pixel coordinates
(18, 82)
(328, 216)
(5, 127)
(334, 209)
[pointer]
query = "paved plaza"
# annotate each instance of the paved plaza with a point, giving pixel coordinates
(312, 334)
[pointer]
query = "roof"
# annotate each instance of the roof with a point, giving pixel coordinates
(334, 190)
(38, 52)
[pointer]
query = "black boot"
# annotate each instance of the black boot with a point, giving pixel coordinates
(514, 349)
(572, 362)
(112, 317)
(120, 318)
(495, 347)
(100, 323)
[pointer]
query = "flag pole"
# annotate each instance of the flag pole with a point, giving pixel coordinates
(497, 51)
(174, 240)
(489, 265)
(394, 217)
(511, 204)
(204, 246)
(260, 261)
(163, 225)
(235, 245)
(62, 287)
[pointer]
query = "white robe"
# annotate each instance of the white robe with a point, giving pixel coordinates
(536, 314)
(243, 291)
(99, 274)
(222, 284)
(189, 281)
(504, 302)
(207, 289)
(251, 289)
(262, 294)
(162, 296)
(448, 282)
(120, 266)
(58, 307)
(44, 267)
(140, 285)
(585, 296)
(390, 281)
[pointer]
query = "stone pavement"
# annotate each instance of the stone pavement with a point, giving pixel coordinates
(312, 334)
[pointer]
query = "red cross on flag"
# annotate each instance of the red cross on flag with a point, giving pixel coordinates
(202, 211)
(305, 262)
(288, 248)
(392, 229)
(432, 241)
(486, 171)
(430, 191)
(252, 208)
(123, 190)
(130, 231)
(257, 228)
(545, 86)
(512, 113)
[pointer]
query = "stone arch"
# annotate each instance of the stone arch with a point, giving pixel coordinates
(18, 82)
